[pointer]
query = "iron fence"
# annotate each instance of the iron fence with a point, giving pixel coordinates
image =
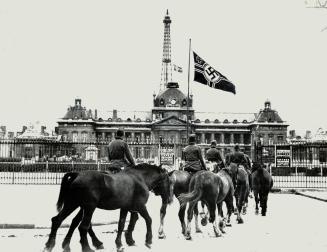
(295, 165)
(45, 162)
(28, 161)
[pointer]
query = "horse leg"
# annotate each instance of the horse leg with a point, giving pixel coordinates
(264, 204)
(212, 218)
(230, 208)
(56, 222)
(84, 227)
(161, 233)
(129, 233)
(196, 215)
(181, 215)
(121, 224)
(245, 205)
(222, 224)
(256, 199)
(148, 238)
(77, 219)
(190, 211)
(95, 241)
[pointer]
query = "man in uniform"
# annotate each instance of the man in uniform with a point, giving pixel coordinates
(238, 157)
(193, 157)
(119, 154)
(214, 155)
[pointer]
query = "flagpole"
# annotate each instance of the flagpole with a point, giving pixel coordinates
(188, 92)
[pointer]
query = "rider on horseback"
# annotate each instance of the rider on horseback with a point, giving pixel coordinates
(193, 157)
(214, 155)
(119, 154)
(238, 157)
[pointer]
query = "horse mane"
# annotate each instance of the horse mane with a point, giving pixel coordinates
(142, 166)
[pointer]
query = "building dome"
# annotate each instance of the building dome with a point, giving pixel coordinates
(78, 112)
(172, 96)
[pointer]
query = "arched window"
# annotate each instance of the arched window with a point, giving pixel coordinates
(225, 121)
(207, 121)
(216, 121)
(129, 119)
(138, 120)
(235, 121)
(197, 121)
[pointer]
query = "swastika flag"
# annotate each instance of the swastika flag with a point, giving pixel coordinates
(207, 75)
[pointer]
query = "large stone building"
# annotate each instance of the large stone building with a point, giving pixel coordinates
(166, 121)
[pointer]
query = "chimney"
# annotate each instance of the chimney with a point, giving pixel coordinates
(292, 134)
(308, 134)
(95, 114)
(114, 114)
(43, 129)
(78, 102)
(3, 128)
(24, 129)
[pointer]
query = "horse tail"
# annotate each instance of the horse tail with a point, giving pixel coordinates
(66, 181)
(193, 196)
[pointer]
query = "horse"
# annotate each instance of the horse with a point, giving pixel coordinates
(242, 190)
(212, 189)
(166, 199)
(179, 183)
(262, 183)
(127, 191)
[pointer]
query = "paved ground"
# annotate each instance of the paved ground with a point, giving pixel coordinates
(293, 223)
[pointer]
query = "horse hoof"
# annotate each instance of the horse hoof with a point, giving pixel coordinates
(188, 237)
(228, 224)
(162, 236)
(204, 221)
(148, 245)
(66, 249)
(198, 230)
(99, 247)
(240, 221)
(88, 250)
(218, 234)
(263, 214)
(120, 249)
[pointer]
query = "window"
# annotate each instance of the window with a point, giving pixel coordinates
(323, 155)
(75, 136)
(84, 136)
(280, 138)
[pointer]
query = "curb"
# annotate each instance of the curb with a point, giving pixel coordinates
(310, 196)
(33, 226)
(300, 191)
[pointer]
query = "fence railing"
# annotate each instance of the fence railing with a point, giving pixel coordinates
(302, 165)
(45, 162)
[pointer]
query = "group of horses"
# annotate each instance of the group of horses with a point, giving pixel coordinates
(129, 192)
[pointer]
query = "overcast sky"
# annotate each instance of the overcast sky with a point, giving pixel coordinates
(109, 54)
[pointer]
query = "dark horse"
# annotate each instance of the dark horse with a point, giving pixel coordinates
(262, 183)
(212, 189)
(127, 191)
(166, 199)
(242, 190)
(179, 183)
